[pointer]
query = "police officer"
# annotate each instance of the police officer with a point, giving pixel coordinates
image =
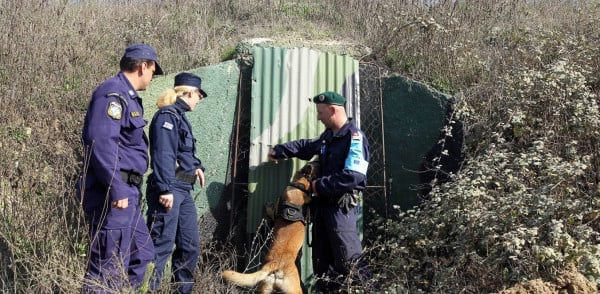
(115, 159)
(343, 153)
(172, 216)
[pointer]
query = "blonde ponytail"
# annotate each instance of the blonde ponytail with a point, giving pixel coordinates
(169, 96)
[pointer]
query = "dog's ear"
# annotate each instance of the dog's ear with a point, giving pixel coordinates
(307, 169)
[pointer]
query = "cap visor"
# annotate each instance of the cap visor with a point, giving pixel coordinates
(158, 70)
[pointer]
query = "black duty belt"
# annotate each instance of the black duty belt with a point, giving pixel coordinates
(186, 178)
(132, 177)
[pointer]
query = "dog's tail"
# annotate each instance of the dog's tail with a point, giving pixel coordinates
(245, 280)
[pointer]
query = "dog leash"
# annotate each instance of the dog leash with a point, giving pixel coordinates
(308, 223)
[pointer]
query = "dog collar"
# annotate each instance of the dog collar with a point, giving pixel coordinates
(301, 188)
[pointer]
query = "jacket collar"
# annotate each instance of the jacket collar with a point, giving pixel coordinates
(131, 92)
(182, 105)
(345, 128)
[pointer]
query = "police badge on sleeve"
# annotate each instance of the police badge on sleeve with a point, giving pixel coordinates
(115, 110)
(356, 157)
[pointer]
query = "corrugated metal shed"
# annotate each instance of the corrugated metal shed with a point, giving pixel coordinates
(283, 80)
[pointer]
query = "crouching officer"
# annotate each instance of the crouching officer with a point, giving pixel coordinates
(115, 159)
(172, 215)
(343, 152)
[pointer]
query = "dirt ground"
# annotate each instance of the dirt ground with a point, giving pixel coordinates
(569, 281)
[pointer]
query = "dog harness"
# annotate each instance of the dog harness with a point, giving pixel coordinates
(293, 212)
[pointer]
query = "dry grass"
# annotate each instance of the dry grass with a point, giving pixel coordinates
(54, 52)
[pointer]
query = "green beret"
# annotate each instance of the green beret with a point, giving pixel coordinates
(330, 98)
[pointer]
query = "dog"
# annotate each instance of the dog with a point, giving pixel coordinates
(279, 270)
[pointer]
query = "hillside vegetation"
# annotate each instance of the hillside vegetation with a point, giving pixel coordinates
(526, 75)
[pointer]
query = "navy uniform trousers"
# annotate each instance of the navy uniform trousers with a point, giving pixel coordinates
(177, 227)
(336, 247)
(118, 240)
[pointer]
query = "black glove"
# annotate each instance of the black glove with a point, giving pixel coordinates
(347, 202)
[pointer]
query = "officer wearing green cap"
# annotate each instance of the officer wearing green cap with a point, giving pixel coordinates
(343, 152)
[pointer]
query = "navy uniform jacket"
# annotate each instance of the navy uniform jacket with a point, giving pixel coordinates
(172, 147)
(114, 139)
(344, 159)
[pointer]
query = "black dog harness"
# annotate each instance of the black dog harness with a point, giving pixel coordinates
(293, 212)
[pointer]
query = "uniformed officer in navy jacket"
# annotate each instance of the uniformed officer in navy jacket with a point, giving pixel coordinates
(172, 215)
(115, 160)
(343, 152)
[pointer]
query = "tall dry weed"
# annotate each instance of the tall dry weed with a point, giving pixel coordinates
(498, 57)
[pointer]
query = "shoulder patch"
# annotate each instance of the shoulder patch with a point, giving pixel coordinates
(167, 125)
(114, 110)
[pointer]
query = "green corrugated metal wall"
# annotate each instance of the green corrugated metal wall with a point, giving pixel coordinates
(282, 82)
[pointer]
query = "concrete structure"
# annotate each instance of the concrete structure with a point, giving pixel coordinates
(261, 99)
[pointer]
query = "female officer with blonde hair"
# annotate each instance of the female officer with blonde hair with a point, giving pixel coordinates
(172, 215)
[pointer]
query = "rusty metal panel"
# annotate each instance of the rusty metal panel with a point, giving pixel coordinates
(283, 80)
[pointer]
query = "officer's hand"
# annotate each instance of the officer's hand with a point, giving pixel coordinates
(120, 204)
(272, 155)
(166, 201)
(313, 187)
(200, 177)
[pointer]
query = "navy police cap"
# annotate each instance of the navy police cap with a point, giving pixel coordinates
(189, 79)
(143, 51)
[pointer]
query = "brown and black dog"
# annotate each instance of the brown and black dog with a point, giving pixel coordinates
(279, 270)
